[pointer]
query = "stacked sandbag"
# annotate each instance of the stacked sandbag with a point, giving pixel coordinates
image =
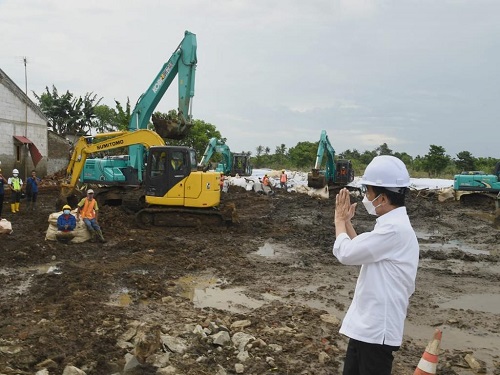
(81, 234)
(5, 227)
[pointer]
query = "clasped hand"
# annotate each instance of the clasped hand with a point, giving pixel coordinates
(344, 210)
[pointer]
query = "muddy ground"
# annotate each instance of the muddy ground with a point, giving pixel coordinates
(272, 276)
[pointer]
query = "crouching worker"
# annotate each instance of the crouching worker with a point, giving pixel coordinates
(88, 211)
(66, 224)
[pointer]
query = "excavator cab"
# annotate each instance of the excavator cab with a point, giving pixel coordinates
(177, 193)
(344, 174)
(167, 166)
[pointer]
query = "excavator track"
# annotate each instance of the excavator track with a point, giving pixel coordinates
(484, 200)
(184, 217)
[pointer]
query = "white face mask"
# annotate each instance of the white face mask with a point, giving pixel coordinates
(369, 205)
(66, 212)
(15, 174)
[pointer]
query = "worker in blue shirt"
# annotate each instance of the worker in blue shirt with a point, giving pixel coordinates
(32, 189)
(66, 224)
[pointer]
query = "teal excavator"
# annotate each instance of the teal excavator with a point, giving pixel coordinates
(337, 174)
(478, 181)
(478, 187)
(129, 169)
(232, 164)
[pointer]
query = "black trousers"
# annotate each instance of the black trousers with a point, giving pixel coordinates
(1, 204)
(368, 359)
(32, 197)
(15, 197)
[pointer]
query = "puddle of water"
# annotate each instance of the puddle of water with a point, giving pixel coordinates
(230, 299)
(42, 268)
(457, 339)
(446, 246)
(426, 235)
(270, 250)
(206, 291)
(453, 245)
(188, 284)
(477, 302)
(267, 250)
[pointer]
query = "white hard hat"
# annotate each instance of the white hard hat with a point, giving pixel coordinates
(386, 171)
(90, 191)
(15, 171)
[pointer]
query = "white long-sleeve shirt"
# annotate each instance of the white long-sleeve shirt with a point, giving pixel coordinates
(388, 256)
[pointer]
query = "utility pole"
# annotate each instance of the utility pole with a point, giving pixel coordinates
(26, 117)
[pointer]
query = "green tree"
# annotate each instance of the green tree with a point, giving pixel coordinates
(259, 150)
(367, 156)
(405, 158)
(106, 119)
(68, 114)
(383, 149)
(465, 161)
(280, 153)
(436, 161)
(198, 137)
(303, 155)
(348, 154)
(123, 115)
(486, 164)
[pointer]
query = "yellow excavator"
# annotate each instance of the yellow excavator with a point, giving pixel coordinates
(173, 191)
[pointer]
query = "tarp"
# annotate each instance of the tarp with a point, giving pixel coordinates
(36, 156)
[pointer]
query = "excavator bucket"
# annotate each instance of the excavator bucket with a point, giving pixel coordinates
(315, 179)
(68, 195)
(169, 128)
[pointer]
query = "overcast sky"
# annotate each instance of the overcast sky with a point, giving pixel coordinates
(409, 73)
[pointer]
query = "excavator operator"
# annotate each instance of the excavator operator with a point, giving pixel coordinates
(176, 162)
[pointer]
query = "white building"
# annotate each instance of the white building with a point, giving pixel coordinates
(23, 132)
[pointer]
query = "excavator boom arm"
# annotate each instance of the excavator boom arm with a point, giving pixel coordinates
(325, 147)
(182, 63)
(217, 146)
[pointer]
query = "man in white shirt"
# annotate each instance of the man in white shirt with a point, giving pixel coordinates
(388, 257)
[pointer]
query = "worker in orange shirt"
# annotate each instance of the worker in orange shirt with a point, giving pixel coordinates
(283, 179)
(88, 210)
(265, 180)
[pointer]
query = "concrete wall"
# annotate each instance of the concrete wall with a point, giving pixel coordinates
(59, 153)
(15, 109)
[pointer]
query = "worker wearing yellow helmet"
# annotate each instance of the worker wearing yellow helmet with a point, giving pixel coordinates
(66, 224)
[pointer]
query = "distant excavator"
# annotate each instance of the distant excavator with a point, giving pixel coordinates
(337, 173)
(232, 164)
(475, 187)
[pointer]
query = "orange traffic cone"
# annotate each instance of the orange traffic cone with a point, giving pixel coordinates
(428, 363)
